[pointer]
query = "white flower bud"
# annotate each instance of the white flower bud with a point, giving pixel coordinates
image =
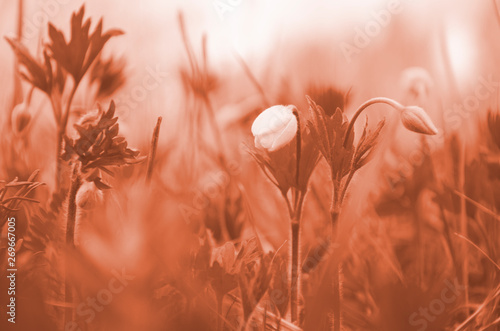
(274, 127)
(416, 119)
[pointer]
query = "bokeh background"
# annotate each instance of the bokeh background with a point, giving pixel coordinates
(398, 228)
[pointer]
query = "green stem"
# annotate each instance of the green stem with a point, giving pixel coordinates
(390, 102)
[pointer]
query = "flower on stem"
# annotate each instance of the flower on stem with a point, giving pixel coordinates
(61, 59)
(99, 147)
(276, 149)
(287, 155)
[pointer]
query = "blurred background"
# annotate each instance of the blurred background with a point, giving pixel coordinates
(208, 68)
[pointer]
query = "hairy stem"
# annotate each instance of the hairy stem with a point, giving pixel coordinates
(295, 271)
(334, 214)
(220, 318)
(76, 182)
(463, 224)
(295, 267)
(390, 102)
(337, 294)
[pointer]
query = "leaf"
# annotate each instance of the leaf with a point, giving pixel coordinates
(278, 286)
(254, 281)
(100, 184)
(224, 271)
(365, 145)
(37, 75)
(77, 55)
(108, 75)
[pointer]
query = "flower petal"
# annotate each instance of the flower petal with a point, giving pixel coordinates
(274, 127)
(416, 119)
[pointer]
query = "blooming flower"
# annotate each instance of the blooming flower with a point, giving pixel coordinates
(416, 119)
(275, 127)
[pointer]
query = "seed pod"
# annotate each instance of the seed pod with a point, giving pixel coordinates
(274, 127)
(416, 119)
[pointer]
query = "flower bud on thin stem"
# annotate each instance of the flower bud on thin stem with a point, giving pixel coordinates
(413, 118)
(390, 102)
(416, 119)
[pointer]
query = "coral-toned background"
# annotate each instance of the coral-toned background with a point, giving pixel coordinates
(157, 249)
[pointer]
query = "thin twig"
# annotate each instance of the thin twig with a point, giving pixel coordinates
(70, 238)
(479, 249)
(18, 94)
(463, 224)
(478, 310)
(252, 78)
(478, 205)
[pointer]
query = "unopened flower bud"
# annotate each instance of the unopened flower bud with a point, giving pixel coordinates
(88, 196)
(416, 81)
(274, 127)
(21, 117)
(416, 119)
